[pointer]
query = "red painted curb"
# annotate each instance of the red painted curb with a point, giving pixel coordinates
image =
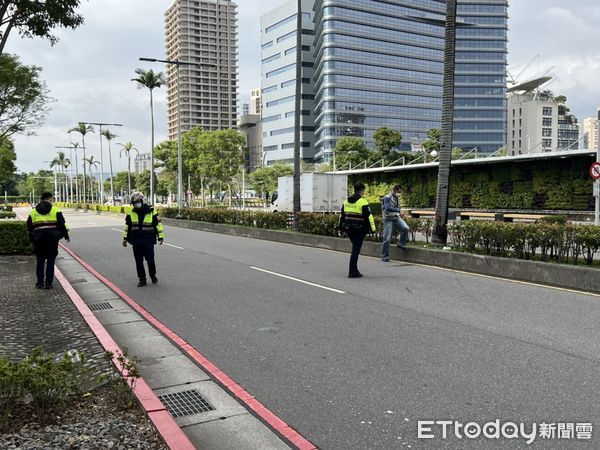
(230, 385)
(166, 426)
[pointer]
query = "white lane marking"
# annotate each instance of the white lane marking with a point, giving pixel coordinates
(174, 246)
(170, 245)
(337, 291)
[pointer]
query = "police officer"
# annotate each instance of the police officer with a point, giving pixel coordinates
(356, 221)
(142, 227)
(46, 227)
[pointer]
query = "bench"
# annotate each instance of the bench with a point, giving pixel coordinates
(511, 217)
(416, 214)
(466, 215)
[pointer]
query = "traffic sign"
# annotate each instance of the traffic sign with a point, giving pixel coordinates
(595, 171)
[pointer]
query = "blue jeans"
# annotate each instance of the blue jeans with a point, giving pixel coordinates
(388, 227)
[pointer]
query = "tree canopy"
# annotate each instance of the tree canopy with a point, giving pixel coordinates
(23, 97)
(34, 18)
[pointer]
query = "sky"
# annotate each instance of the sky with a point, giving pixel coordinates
(88, 72)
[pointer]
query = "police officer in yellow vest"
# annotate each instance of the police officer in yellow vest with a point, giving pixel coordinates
(46, 227)
(356, 221)
(142, 227)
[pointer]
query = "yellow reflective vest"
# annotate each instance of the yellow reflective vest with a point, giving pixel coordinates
(145, 232)
(354, 218)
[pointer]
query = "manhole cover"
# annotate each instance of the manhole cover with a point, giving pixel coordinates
(78, 281)
(185, 403)
(100, 306)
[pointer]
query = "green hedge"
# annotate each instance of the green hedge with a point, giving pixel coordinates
(14, 239)
(563, 243)
(561, 184)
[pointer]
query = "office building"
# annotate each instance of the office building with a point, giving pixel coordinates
(381, 65)
(255, 101)
(537, 122)
(141, 162)
(278, 41)
(251, 127)
(590, 132)
(202, 32)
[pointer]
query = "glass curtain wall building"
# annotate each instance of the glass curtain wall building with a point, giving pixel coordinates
(481, 58)
(278, 41)
(380, 63)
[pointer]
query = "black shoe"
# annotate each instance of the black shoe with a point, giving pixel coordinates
(154, 280)
(39, 285)
(355, 275)
(141, 283)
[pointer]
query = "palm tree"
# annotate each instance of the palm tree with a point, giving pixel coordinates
(83, 129)
(150, 80)
(109, 137)
(61, 162)
(127, 148)
(93, 163)
(440, 230)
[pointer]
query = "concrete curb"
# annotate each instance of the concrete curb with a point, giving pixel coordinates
(165, 424)
(557, 275)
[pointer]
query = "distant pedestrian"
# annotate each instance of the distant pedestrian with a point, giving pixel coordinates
(46, 227)
(356, 221)
(392, 218)
(142, 228)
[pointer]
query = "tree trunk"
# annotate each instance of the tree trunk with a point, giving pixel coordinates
(440, 231)
(152, 150)
(297, 115)
(112, 186)
(128, 175)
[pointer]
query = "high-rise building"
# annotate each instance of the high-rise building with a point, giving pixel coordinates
(141, 162)
(590, 133)
(255, 101)
(278, 40)
(381, 64)
(202, 32)
(537, 122)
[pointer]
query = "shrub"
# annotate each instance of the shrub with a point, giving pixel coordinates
(7, 214)
(546, 241)
(14, 239)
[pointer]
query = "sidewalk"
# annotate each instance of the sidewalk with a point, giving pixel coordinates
(29, 317)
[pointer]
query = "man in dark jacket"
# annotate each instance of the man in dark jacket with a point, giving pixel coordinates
(142, 227)
(356, 221)
(46, 227)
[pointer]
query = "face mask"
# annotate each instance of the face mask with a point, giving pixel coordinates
(137, 205)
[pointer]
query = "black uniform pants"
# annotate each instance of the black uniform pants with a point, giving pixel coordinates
(141, 252)
(357, 238)
(45, 253)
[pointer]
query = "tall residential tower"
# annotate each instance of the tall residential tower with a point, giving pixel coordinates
(204, 33)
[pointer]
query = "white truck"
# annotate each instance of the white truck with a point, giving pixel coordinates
(319, 192)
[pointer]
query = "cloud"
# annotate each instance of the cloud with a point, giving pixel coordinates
(89, 71)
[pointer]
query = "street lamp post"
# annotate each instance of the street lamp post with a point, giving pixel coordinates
(178, 63)
(101, 124)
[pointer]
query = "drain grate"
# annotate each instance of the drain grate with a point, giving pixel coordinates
(78, 281)
(186, 403)
(101, 306)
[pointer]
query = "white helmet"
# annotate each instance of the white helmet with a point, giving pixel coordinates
(137, 197)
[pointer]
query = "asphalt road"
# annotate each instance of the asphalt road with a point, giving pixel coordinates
(354, 364)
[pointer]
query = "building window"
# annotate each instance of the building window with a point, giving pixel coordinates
(547, 111)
